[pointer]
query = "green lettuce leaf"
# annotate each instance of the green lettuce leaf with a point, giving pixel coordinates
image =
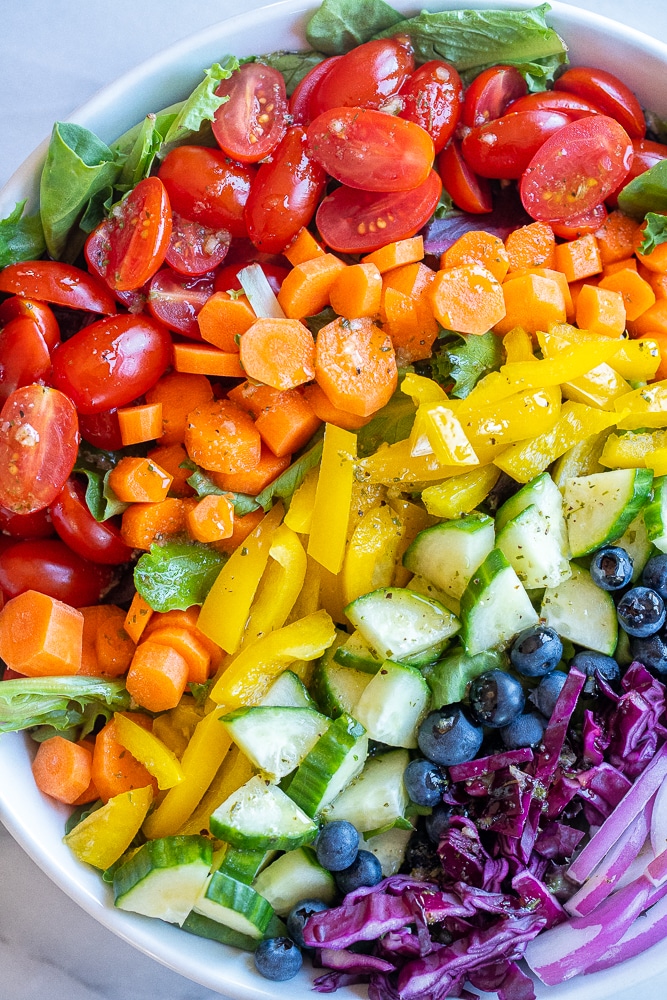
(21, 237)
(96, 465)
(70, 705)
(338, 25)
(141, 156)
(288, 482)
(201, 105)
(204, 486)
(646, 193)
(391, 424)
(655, 232)
(177, 575)
(475, 357)
(320, 319)
(292, 65)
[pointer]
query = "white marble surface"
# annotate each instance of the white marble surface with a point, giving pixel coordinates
(54, 54)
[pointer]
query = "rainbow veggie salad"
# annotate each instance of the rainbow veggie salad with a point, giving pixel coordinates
(333, 496)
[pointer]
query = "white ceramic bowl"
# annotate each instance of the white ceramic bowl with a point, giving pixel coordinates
(35, 821)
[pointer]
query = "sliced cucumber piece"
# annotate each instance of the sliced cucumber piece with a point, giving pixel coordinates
(164, 877)
(204, 927)
(536, 548)
(600, 507)
(293, 877)
(355, 652)
(449, 678)
(393, 704)
(260, 816)
(399, 623)
(335, 760)
(495, 606)
(377, 797)
(538, 492)
(287, 691)
(275, 740)
(423, 586)
(582, 612)
(337, 688)
(636, 542)
(448, 554)
(389, 848)
(242, 865)
(655, 514)
(234, 904)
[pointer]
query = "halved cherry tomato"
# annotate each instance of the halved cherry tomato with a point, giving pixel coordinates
(62, 284)
(39, 438)
(35, 525)
(99, 541)
(608, 93)
(39, 312)
(24, 356)
(195, 248)
(468, 191)
(554, 100)
(432, 97)
(96, 251)
(646, 155)
(353, 221)
(226, 279)
(285, 193)
(582, 225)
(251, 123)
(203, 184)
(366, 77)
(299, 102)
(176, 300)
(111, 362)
(576, 169)
(370, 150)
(48, 565)
(101, 429)
(503, 148)
(489, 94)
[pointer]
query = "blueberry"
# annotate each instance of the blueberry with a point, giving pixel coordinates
(438, 822)
(337, 845)
(545, 695)
(496, 698)
(655, 575)
(278, 959)
(652, 651)
(449, 736)
(364, 870)
(525, 731)
(424, 782)
(298, 915)
(589, 662)
(611, 568)
(641, 612)
(536, 651)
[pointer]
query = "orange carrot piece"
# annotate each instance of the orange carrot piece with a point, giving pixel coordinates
(137, 618)
(467, 299)
(601, 311)
(579, 259)
(179, 392)
(478, 247)
(357, 291)
(139, 480)
(157, 676)
(188, 619)
(656, 260)
(279, 353)
(171, 458)
(616, 237)
(193, 651)
(62, 769)
(224, 318)
(576, 287)
(220, 436)
(394, 254)
(89, 794)
(303, 247)
(284, 419)
(199, 359)
(658, 282)
(114, 769)
(532, 302)
(108, 649)
(326, 411)
(558, 277)
(651, 323)
(146, 524)
(403, 324)
(305, 290)
(211, 519)
(140, 423)
(243, 526)
(254, 480)
(621, 265)
(531, 246)
(414, 280)
(40, 636)
(356, 365)
(637, 293)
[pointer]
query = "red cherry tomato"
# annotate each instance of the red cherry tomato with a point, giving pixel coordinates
(352, 221)
(96, 252)
(101, 542)
(35, 525)
(226, 279)
(194, 248)
(489, 94)
(285, 193)
(608, 93)
(176, 300)
(299, 102)
(24, 356)
(469, 192)
(370, 150)
(590, 222)
(39, 438)
(112, 362)
(504, 147)
(432, 97)
(49, 566)
(554, 100)
(203, 184)
(39, 312)
(366, 77)
(646, 155)
(61, 284)
(251, 123)
(576, 169)
(101, 429)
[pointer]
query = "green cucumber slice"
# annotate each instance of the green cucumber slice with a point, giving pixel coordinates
(377, 797)
(335, 760)
(494, 607)
(164, 878)
(393, 704)
(234, 904)
(287, 691)
(636, 542)
(356, 653)
(655, 514)
(260, 816)
(582, 612)
(275, 739)
(449, 678)
(389, 848)
(536, 547)
(399, 623)
(600, 507)
(421, 585)
(337, 688)
(204, 927)
(242, 865)
(541, 492)
(448, 554)
(293, 877)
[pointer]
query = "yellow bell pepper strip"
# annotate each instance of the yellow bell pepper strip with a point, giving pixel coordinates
(422, 389)
(371, 553)
(234, 771)
(629, 451)
(637, 360)
(308, 600)
(526, 459)
(225, 611)
(524, 414)
(102, 837)
(645, 407)
(365, 497)
(331, 594)
(657, 460)
(582, 459)
(279, 587)
(150, 751)
(599, 387)
(299, 517)
(251, 672)
(437, 429)
(393, 465)
(331, 511)
(518, 346)
(175, 727)
(461, 494)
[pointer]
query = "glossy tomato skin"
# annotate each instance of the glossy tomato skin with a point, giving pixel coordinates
(50, 567)
(57, 283)
(555, 100)
(366, 77)
(96, 252)
(503, 148)
(112, 362)
(608, 93)
(17, 526)
(370, 150)
(24, 355)
(39, 312)
(646, 154)
(39, 440)
(582, 225)
(203, 184)
(285, 193)
(101, 542)
(175, 300)
(299, 102)
(251, 123)
(432, 97)
(489, 94)
(101, 429)
(467, 190)
(226, 279)
(352, 221)
(194, 248)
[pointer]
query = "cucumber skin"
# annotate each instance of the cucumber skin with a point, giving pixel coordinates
(242, 865)
(655, 514)
(515, 504)
(262, 841)
(231, 894)
(494, 564)
(643, 480)
(167, 852)
(448, 679)
(347, 731)
(205, 927)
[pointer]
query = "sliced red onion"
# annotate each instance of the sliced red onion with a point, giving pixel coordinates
(648, 930)
(260, 295)
(659, 821)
